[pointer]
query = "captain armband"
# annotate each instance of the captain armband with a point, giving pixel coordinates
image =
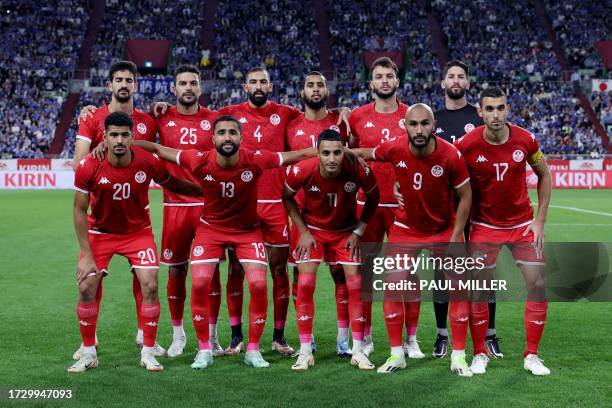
(535, 158)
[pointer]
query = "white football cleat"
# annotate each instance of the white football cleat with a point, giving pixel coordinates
(392, 364)
(459, 366)
(534, 364)
(479, 364)
(80, 351)
(412, 349)
(281, 347)
(217, 350)
(368, 345)
(177, 347)
(254, 358)
(86, 362)
(360, 360)
(202, 360)
(158, 351)
(148, 361)
(304, 361)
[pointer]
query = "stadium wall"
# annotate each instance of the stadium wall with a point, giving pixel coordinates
(22, 174)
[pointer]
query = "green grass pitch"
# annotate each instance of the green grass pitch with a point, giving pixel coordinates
(39, 333)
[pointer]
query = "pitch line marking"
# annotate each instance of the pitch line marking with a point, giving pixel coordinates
(563, 207)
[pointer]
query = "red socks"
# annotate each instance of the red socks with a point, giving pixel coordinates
(394, 320)
(150, 318)
(201, 277)
(88, 319)
(535, 319)
(258, 305)
(214, 297)
(356, 306)
(342, 305)
(304, 308)
(479, 322)
(176, 297)
(459, 316)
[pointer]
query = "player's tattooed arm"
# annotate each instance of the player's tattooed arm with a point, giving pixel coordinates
(164, 153)
(306, 240)
(463, 211)
(86, 266)
(544, 191)
(87, 112)
(181, 186)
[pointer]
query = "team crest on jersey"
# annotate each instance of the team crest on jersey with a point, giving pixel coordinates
(334, 127)
(246, 176)
(275, 119)
(142, 128)
(437, 171)
(205, 125)
(140, 177)
(349, 187)
(468, 127)
(198, 251)
(518, 156)
(168, 253)
(402, 124)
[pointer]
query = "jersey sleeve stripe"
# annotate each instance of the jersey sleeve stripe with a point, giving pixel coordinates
(289, 188)
(462, 183)
(280, 158)
(178, 157)
(80, 190)
(85, 138)
(374, 152)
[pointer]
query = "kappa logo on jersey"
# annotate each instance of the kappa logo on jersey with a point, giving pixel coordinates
(368, 125)
(296, 170)
(168, 253)
(140, 177)
(518, 156)
(198, 318)
(242, 120)
(437, 171)
(246, 176)
(171, 124)
(208, 177)
(481, 159)
(104, 180)
(402, 124)
(198, 251)
(349, 187)
(142, 128)
(205, 125)
(468, 127)
(300, 132)
(402, 164)
(275, 119)
(314, 189)
(439, 130)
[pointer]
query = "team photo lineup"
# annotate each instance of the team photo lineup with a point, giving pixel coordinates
(306, 203)
(225, 188)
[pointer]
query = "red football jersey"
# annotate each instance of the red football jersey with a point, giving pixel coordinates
(264, 129)
(302, 133)
(180, 131)
(92, 130)
(230, 194)
(426, 183)
(119, 196)
(371, 128)
(498, 177)
(330, 204)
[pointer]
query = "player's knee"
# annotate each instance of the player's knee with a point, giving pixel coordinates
(87, 291)
(149, 289)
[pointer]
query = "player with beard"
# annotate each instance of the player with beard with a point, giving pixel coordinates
(302, 132)
(229, 178)
(371, 125)
(430, 171)
(90, 136)
(185, 126)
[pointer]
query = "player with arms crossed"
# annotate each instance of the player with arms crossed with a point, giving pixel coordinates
(329, 231)
(373, 124)
(91, 135)
(302, 132)
(429, 171)
(496, 155)
(117, 191)
(228, 176)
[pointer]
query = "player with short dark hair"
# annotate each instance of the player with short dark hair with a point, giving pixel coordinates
(496, 155)
(328, 230)
(117, 191)
(229, 178)
(371, 125)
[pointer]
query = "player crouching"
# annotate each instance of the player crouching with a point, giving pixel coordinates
(329, 231)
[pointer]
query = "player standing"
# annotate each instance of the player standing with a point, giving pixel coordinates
(229, 178)
(429, 171)
(373, 124)
(302, 132)
(117, 191)
(496, 155)
(184, 126)
(329, 231)
(91, 133)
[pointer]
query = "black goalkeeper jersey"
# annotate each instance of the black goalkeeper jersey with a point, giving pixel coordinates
(453, 124)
